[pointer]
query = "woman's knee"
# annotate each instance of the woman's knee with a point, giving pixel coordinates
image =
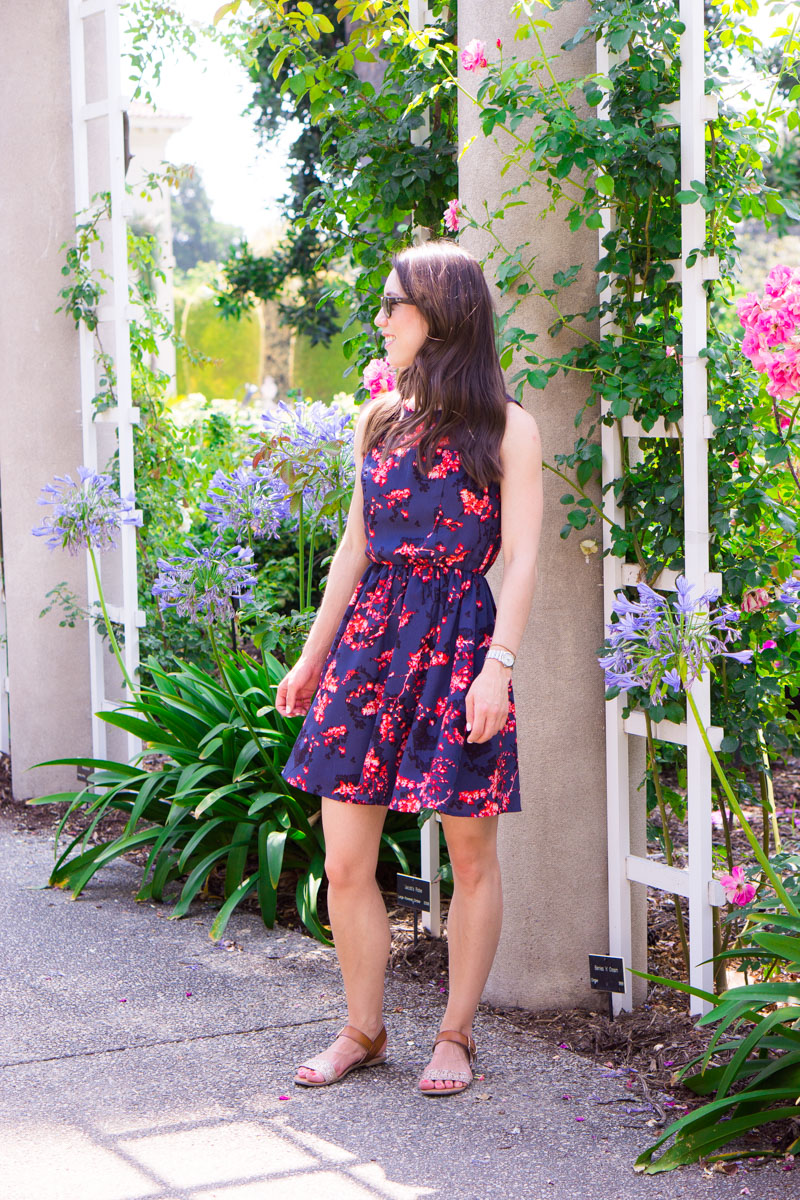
(473, 852)
(344, 869)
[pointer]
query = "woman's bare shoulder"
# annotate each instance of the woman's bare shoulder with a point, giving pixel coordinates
(520, 424)
(371, 409)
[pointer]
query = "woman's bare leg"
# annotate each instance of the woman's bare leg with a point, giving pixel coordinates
(358, 919)
(473, 931)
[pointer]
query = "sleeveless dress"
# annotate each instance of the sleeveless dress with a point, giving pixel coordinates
(387, 724)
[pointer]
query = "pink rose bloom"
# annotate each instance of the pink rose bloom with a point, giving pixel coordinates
(776, 327)
(790, 301)
(754, 600)
(671, 352)
(378, 377)
(784, 423)
(755, 348)
(778, 280)
(737, 890)
(452, 216)
(769, 645)
(784, 374)
(473, 56)
(748, 309)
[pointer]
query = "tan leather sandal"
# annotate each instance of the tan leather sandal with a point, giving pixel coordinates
(373, 1057)
(463, 1077)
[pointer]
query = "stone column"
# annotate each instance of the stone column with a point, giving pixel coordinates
(554, 854)
(40, 425)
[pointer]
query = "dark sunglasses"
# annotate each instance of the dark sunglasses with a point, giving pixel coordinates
(388, 303)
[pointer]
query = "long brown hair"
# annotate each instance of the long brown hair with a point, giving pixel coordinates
(455, 379)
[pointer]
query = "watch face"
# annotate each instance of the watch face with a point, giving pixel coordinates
(504, 656)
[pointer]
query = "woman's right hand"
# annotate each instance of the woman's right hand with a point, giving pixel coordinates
(296, 689)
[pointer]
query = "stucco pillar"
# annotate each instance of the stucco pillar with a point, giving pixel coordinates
(553, 854)
(40, 427)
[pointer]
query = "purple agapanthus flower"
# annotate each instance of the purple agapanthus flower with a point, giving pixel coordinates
(85, 515)
(310, 444)
(207, 584)
(249, 501)
(658, 645)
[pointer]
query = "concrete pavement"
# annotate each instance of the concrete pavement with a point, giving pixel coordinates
(141, 1061)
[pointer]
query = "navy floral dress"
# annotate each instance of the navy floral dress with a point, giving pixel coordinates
(387, 724)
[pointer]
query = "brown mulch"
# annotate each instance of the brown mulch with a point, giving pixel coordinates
(647, 1046)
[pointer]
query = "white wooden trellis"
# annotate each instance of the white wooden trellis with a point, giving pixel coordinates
(695, 881)
(418, 18)
(98, 109)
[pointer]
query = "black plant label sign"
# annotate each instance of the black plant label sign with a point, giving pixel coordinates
(606, 974)
(413, 892)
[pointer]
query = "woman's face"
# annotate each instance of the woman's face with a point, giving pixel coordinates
(405, 331)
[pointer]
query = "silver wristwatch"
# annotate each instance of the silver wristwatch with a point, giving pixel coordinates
(502, 655)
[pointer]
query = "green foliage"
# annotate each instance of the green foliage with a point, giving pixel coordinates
(319, 371)
(758, 1035)
(217, 803)
(363, 140)
(196, 236)
(231, 350)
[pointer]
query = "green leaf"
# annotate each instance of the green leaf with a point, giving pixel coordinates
(275, 846)
(218, 928)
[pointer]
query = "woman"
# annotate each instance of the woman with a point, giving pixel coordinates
(405, 677)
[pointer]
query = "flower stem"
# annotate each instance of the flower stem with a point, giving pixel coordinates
(109, 627)
(301, 533)
(662, 808)
(268, 763)
(780, 890)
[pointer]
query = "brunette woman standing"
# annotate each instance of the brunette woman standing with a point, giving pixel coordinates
(405, 678)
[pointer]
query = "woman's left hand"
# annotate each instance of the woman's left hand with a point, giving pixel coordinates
(487, 702)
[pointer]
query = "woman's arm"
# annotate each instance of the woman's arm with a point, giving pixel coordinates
(296, 689)
(521, 522)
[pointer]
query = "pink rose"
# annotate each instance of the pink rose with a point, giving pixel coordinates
(452, 216)
(473, 56)
(777, 281)
(754, 600)
(378, 377)
(784, 374)
(737, 890)
(784, 423)
(748, 309)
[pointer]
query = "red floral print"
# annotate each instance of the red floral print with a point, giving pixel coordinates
(388, 723)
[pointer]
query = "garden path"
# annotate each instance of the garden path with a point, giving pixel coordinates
(140, 1061)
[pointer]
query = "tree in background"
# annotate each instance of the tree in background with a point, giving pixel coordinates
(196, 236)
(360, 182)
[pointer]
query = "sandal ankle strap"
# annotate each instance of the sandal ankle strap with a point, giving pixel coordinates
(372, 1046)
(460, 1039)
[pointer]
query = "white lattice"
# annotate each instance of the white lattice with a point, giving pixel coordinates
(696, 881)
(99, 164)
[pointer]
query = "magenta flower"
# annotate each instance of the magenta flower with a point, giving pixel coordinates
(473, 56)
(737, 890)
(769, 645)
(379, 377)
(452, 216)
